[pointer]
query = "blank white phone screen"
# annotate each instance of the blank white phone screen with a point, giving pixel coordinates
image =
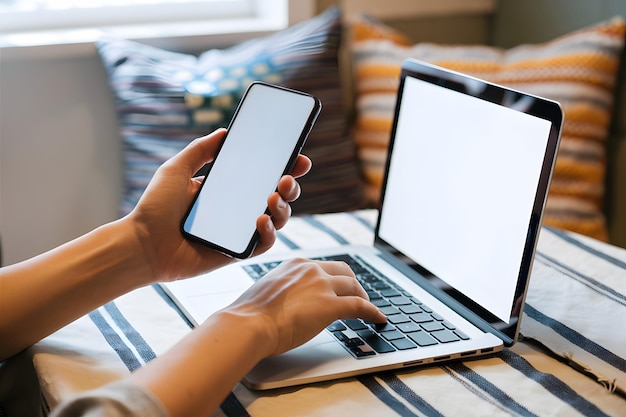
(246, 171)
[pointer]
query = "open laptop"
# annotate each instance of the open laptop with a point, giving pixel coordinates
(467, 174)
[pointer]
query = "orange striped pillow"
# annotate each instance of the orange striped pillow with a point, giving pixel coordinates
(577, 69)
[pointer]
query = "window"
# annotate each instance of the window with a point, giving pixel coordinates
(43, 15)
(174, 24)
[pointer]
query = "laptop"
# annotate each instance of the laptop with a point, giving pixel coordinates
(468, 169)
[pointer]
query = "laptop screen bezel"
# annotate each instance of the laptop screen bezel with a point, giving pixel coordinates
(545, 109)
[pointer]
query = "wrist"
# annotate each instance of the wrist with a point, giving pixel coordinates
(113, 259)
(254, 330)
(130, 241)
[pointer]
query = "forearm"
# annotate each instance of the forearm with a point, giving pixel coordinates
(42, 294)
(197, 374)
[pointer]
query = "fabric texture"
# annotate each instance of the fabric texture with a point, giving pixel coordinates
(119, 399)
(166, 99)
(570, 271)
(578, 70)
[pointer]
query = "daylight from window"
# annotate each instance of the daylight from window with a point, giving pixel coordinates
(37, 15)
(31, 5)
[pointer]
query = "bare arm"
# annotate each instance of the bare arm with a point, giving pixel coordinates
(40, 295)
(44, 293)
(279, 312)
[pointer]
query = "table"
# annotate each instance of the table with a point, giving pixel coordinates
(571, 359)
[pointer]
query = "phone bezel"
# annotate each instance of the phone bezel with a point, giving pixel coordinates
(297, 147)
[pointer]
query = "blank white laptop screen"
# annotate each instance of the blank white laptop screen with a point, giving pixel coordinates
(468, 229)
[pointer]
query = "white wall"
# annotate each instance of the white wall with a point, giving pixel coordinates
(60, 156)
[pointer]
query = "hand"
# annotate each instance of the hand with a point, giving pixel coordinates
(299, 298)
(156, 218)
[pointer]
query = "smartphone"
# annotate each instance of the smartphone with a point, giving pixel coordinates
(264, 138)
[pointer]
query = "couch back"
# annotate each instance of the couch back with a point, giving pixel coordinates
(534, 21)
(507, 23)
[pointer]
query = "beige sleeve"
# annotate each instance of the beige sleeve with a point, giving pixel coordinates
(120, 399)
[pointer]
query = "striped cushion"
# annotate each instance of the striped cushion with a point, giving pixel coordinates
(577, 69)
(165, 99)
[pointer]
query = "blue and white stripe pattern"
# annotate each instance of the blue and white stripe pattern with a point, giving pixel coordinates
(576, 308)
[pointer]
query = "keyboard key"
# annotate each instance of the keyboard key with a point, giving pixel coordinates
(355, 324)
(403, 344)
(398, 318)
(392, 335)
(375, 341)
(381, 302)
(462, 335)
(409, 327)
(448, 325)
(353, 342)
(422, 338)
(360, 353)
(381, 328)
(373, 295)
(436, 316)
(420, 317)
(444, 336)
(390, 293)
(410, 309)
(341, 336)
(431, 326)
(400, 301)
(368, 278)
(426, 308)
(380, 286)
(336, 326)
(389, 310)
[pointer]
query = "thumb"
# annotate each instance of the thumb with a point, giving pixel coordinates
(200, 151)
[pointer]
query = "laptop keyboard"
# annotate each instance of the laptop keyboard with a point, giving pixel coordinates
(410, 323)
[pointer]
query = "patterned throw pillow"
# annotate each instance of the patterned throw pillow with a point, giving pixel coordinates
(165, 99)
(577, 69)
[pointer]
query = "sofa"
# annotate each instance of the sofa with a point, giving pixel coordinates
(541, 20)
(113, 136)
(351, 62)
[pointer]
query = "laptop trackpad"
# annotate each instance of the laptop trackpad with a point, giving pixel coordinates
(301, 364)
(211, 292)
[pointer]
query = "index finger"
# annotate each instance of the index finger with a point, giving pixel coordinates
(356, 307)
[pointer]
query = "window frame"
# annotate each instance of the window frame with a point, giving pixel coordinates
(221, 29)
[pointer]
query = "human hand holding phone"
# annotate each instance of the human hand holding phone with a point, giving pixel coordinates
(263, 140)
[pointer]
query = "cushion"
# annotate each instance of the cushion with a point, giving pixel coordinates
(165, 99)
(578, 70)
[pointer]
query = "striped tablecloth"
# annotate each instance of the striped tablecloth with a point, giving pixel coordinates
(571, 360)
